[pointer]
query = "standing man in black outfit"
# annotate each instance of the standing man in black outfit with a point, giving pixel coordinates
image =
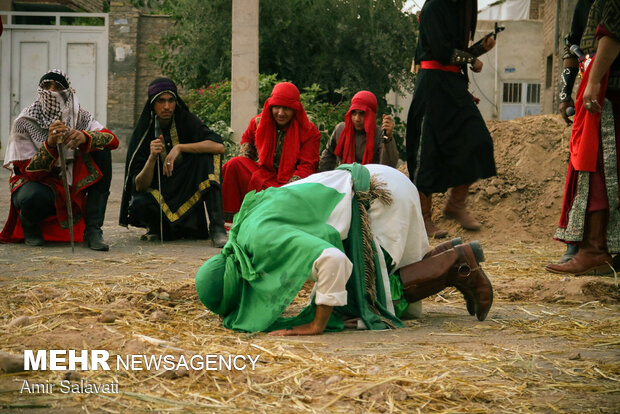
(448, 143)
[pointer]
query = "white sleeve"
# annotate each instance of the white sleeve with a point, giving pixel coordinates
(331, 270)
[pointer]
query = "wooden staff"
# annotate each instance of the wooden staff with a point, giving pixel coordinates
(65, 183)
(161, 210)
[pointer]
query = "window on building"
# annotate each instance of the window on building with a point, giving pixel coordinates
(520, 99)
(549, 72)
(533, 93)
(512, 93)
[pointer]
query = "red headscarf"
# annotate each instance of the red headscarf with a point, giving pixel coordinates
(345, 149)
(283, 94)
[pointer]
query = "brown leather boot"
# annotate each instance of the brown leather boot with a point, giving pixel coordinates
(432, 230)
(443, 246)
(468, 275)
(467, 294)
(592, 258)
(458, 267)
(455, 208)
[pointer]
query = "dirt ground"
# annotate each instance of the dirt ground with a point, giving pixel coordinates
(549, 344)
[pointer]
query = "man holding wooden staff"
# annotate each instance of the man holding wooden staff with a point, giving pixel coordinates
(56, 122)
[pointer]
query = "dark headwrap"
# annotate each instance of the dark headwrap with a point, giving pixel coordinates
(55, 76)
(162, 85)
(345, 149)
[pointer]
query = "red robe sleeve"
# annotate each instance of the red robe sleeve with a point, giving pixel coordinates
(308, 157)
(40, 166)
(248, 140)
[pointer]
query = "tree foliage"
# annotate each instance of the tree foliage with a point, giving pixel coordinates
(351, 44)
(197, 50)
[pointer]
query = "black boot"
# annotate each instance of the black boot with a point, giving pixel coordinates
(93, 219)
(215, 209)
(32, 232)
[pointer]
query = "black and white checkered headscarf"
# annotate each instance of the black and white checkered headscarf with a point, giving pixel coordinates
(31, 127)
(52, 105)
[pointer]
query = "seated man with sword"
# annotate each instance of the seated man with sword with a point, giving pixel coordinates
(61, 169)
(173, 166)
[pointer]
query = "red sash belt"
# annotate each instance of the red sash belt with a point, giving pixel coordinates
(433, 64)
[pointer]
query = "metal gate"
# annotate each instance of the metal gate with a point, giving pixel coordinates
(32, 43)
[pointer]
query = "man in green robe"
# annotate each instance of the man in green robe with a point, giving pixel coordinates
(358, 232)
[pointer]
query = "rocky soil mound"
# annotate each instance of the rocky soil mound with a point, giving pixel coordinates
(523, 201)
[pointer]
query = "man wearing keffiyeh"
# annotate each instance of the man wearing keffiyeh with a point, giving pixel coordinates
(38, 210)
(359, 139)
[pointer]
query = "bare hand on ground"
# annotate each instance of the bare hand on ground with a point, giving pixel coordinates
(307, 329)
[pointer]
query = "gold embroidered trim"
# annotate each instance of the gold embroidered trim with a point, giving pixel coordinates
(184, 208)
(92, 176)
(99, 140)
(13, 185)
(42, 161)
(217, 167)
(248, 150)
(174, 137)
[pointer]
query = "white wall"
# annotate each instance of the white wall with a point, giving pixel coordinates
(515, 58)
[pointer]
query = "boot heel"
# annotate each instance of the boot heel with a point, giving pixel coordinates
(456, 241)
(477, 249)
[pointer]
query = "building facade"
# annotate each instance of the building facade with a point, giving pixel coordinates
(120, 55)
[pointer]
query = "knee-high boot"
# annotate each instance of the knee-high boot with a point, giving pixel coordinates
(426, 202)
(592, 256)
(32, 231)
(215, 209)
(443, 246)
(93, 220)
(455, 208)
(470, 301)
(457, 267)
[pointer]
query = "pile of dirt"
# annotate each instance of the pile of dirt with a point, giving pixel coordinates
(523, 201)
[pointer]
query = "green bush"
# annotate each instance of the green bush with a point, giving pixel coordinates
(212, 105)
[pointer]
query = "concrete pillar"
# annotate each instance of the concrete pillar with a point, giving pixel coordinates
(244, 99)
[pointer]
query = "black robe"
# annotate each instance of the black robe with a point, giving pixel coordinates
(448, 143)
(182, 193)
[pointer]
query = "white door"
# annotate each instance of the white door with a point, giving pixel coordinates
(28, 51)
(83, 62)
(32, 54)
